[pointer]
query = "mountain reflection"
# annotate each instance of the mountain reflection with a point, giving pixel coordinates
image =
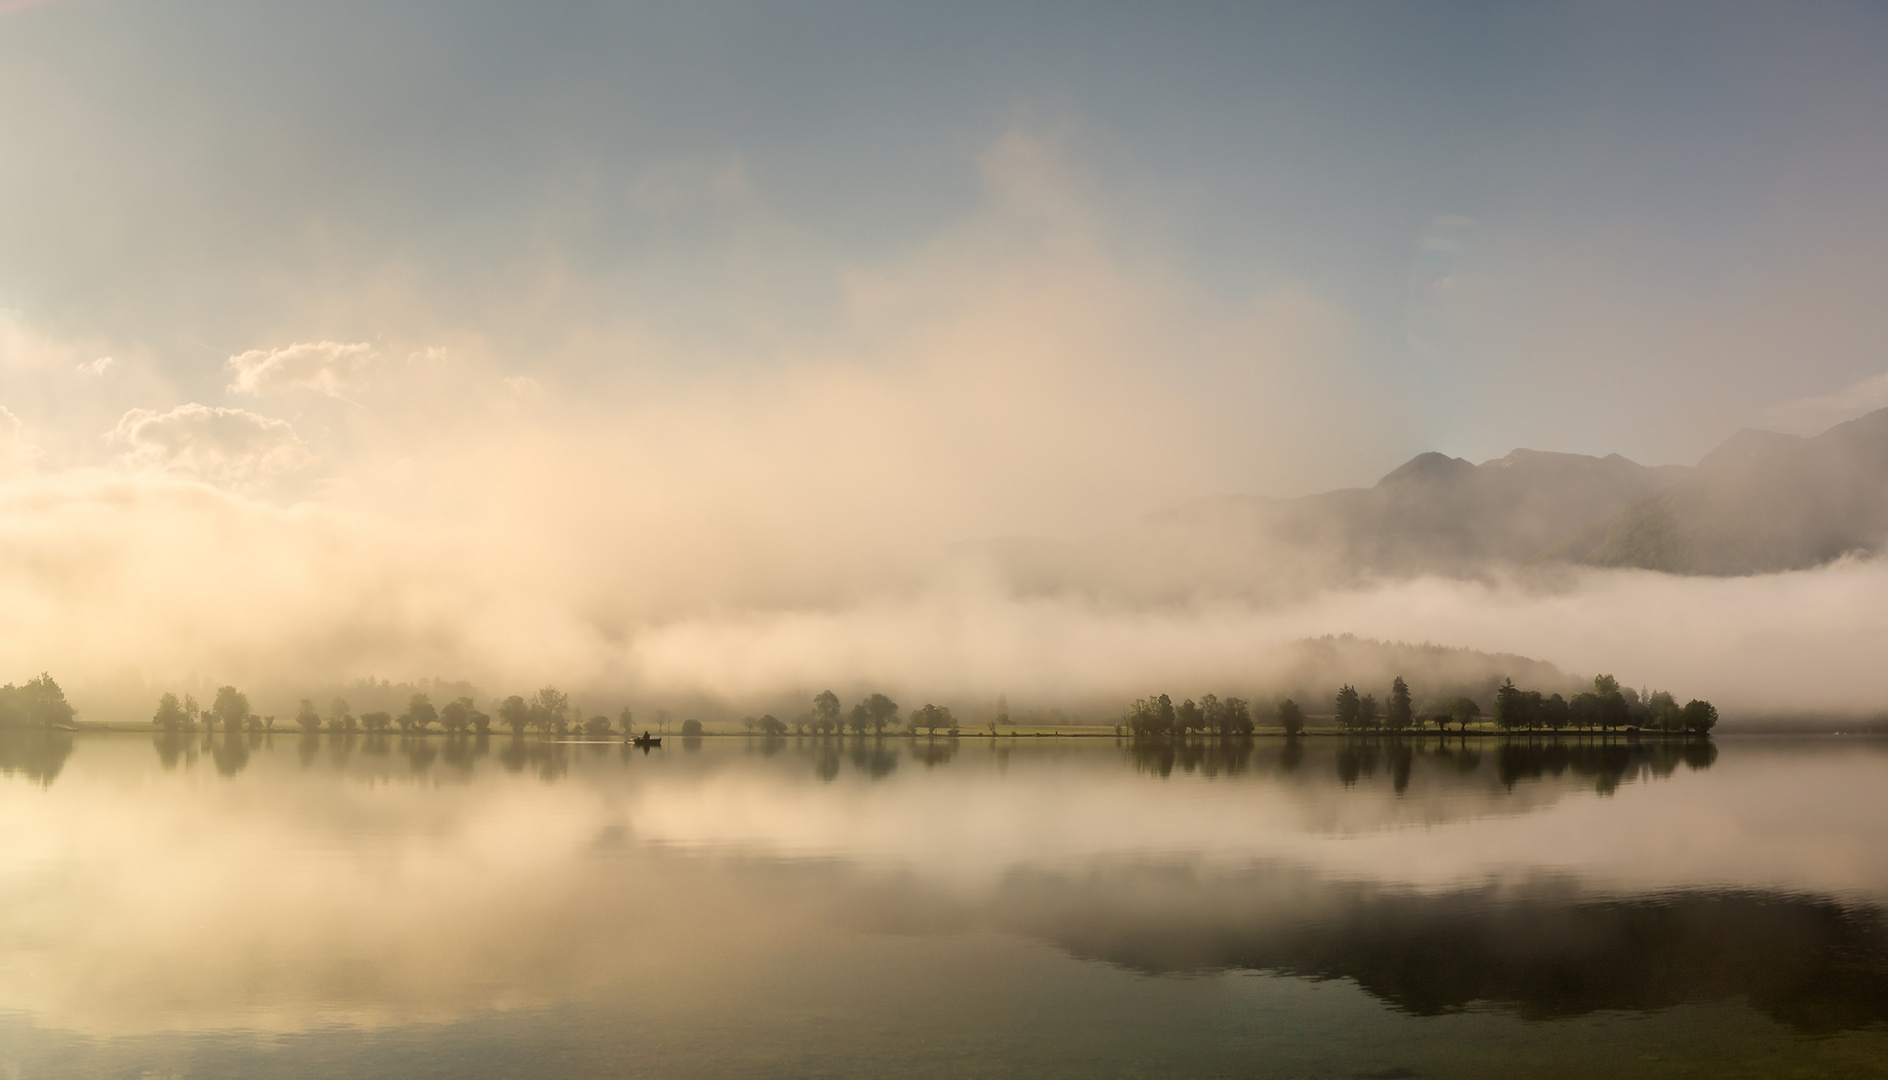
(1812, 963)
(385, 880)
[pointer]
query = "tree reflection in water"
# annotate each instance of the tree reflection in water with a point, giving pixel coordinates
(1608, 763)
(1458, 931)
(35, 754)
(933, 752)
(550, 760)
(873, 758)
(229, 753)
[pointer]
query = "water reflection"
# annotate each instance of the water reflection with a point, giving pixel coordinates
(1544, 951)
(1606, 763)
(547, 760)
(285, 884)
(1208, 757)
(35, 755)
(230, 753)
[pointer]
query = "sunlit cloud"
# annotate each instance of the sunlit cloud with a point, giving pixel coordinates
(330, 367)
(228, 445)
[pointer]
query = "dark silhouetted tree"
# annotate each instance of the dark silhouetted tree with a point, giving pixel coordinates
(1700, 717)
(1367, 719)
(1348, 707)
(307, 717)
(230, 709)
(1212, 714)
(1584, 710)
(1188, 718)
(419, 715)
(1291, 717)
(826, 712)
(884, 711)
(44, 703)
(1151, 717)
(1400, 715)
(933, 717)
(1555, 713)
(1508, 706)
(456, 715)
(1614, 712)
(1235, 717)
(170, 714)
(1531, 706)
(691, 729)
(550, 711)
(515, 714)
(1464, 712)
(39, 703)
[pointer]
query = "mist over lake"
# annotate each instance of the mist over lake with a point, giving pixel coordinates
(1007, 906)
(622, 537)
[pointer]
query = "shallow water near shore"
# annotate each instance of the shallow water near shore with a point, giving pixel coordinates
(292, 907)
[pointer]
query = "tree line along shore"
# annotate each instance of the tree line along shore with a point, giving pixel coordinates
(547, 713)
(1606, 707)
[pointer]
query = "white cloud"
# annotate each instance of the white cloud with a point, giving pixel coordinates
(326, 366)
(96, 368)
(226, 445)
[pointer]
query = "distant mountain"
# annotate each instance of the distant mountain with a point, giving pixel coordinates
(1759, 503)
(1438, 513)
(1434, 514)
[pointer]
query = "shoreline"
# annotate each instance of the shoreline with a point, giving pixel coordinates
(1537, 734)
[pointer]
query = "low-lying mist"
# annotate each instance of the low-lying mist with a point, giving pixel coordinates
(176, 580)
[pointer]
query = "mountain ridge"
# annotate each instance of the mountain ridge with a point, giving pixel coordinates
(1759, 502)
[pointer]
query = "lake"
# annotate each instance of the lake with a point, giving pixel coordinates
(289, 907)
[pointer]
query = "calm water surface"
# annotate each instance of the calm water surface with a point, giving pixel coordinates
(290, 907)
